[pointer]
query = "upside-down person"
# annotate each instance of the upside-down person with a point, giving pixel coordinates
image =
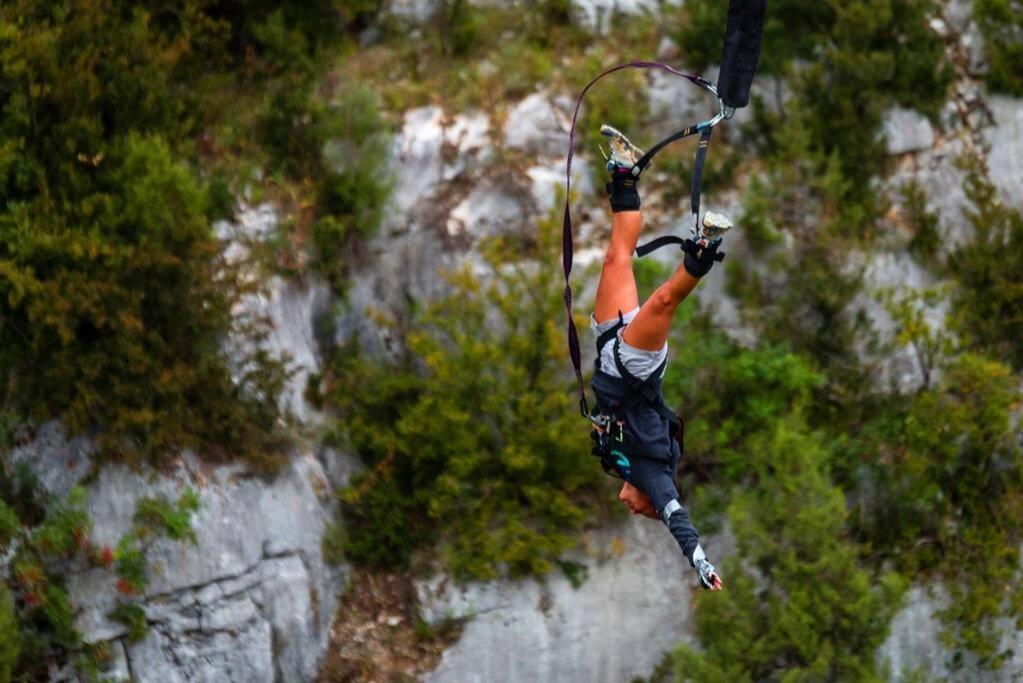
(637, 436)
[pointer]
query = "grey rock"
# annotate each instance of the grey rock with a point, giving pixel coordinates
(231, 616)
(58, 463)
(292, 309)
(907, 131)
(976, 52)
(937, 174)
(467, 144)
(489, 210)
(414, 10)
(914, 644)
(674, 101)
(300, 628)
(634, 605)
(600, 14)
(244, 656)
(416, 160)
(117, 669)
(253, 599)
(339, 466)
(536, 126)
(958, 14)
(1005, 158)
(546, 179)
(897, 367)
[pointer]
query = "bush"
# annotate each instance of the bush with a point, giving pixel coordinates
(988, 270)
(95, 311)
(474, 444)
(798, 607)
(938, 495)
(10, 636)
(107, 245)
(1001, 23)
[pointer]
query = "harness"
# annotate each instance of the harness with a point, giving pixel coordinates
(612, 444)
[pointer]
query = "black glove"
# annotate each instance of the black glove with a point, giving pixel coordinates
(624, 190)
(698, 260)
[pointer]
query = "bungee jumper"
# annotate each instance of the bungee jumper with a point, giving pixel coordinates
(637, 438)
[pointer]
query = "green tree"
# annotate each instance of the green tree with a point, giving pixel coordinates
(798, 607)
(1001, 23)
(474, 444)
(988, 270)
(10, 636)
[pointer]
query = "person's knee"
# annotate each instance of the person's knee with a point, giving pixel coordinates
(663, 299)
(617, 257)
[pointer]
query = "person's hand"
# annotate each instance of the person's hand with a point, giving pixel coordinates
(709, 577)
(699, 259)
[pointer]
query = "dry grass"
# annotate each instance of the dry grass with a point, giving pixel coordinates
(379, 637)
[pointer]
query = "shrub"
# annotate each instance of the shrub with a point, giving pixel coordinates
(10, 636)
(988, 270)
(474, 444)
(1001, 23)
(798, 607)
(95, 312)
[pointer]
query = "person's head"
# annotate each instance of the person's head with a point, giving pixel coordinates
(637, 501)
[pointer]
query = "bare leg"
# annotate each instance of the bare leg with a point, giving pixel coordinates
(616, 290)
(650, 328)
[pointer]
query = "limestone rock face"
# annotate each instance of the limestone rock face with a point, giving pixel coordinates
(907, 131)
(290, 308)
(539, 124)
(914, 644)
(634, 605)
(251, 600)
(1005, 158)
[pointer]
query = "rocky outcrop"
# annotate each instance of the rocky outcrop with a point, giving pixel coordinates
(251, 600)
(906, 130)
(914, 645)
(635, 604)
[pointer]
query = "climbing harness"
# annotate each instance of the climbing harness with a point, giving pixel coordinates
(612, 444)
(740, 54)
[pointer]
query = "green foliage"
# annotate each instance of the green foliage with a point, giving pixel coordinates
(799, 607)
(473, 444)
(1001, 23)
(133, 617)
(988, 300)
(94, 311)
(66, 529)
(926, 239)
(727, 393)
(907, 309)
(154, 518)
(173, 519)
(338, 147)
(54, 541)
(945, 495)
(10, 636)
(10, 525)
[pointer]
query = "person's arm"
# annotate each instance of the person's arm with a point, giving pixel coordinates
(654, 478)
(676, 518)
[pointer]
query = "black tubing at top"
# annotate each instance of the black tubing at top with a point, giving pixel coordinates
(741, 50)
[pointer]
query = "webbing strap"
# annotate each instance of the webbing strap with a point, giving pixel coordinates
(701, 157)
(641, 390)
(566, 238)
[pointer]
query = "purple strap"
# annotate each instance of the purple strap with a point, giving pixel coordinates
(566, 241)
